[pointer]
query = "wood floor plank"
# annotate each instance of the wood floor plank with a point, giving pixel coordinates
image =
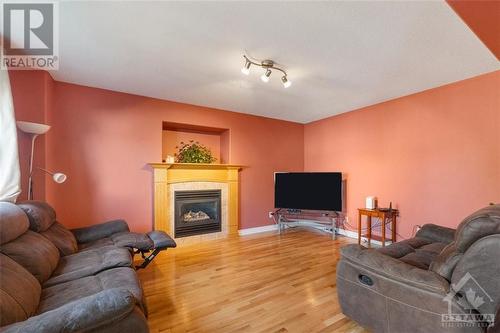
(257, 283)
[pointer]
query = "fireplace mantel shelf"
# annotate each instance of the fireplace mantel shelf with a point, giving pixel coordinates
(206, 166)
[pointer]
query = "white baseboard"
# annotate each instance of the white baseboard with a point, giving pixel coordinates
(348, 233)
(256, 230)
(274, 227)
(354, 234)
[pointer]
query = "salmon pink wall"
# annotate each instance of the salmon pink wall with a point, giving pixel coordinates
(32, 96)
(435, 154)
(103, 141)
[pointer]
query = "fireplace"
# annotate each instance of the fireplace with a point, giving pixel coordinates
(171, 178)
(197, 212)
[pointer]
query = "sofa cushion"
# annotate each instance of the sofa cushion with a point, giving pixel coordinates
(109, 311)
(13, 222)
(100, 231)
(132, 239)
(420, 259)
(436, 233)
(418, 252)
(41, 215)
(19, 292)
(60, 294)
(482, 223)
(122, 239)
(400, 249)
(35, 253)
(106, 241)
(88, 263)
(62, 238)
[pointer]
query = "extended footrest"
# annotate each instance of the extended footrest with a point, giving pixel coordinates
(159, 241)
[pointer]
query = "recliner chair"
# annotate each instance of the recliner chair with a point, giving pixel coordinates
(40, 291)
(56, 280)
(441, 280)
(43, 220)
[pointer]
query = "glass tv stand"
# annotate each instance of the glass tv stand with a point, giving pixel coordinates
(325, 221)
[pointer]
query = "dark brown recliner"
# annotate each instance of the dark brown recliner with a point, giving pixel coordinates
(41, 291)
(441, 280)
(96, 238)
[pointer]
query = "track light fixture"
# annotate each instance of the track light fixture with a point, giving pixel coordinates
(269, 66)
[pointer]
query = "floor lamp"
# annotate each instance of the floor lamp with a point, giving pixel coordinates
(35, 129)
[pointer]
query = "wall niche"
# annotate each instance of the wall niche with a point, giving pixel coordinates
(216, 139)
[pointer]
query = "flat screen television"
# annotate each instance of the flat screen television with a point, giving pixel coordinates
(308, 190)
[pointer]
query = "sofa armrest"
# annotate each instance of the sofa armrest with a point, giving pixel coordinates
(436, 233)
(395, 269)
(85, 314)
(99, 231)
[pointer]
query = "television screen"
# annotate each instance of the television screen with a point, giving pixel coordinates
(308, 190)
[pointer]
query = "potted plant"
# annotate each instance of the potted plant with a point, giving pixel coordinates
(193, 152)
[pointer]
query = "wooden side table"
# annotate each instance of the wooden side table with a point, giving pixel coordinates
(383, 215)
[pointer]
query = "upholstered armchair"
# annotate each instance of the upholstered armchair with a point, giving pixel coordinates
(441, 280)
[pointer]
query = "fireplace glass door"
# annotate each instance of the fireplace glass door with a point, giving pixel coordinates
(197, 212)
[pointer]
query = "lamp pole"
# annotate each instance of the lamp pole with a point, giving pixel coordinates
(30, 180)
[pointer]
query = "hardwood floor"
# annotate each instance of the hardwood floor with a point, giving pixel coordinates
(257, 283)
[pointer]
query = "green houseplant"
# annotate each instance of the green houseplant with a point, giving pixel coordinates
(193, 152)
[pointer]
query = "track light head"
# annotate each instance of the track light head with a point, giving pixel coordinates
(286, 82)
(246, 70)
(266, 75)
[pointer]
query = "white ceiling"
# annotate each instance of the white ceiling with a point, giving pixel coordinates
(340, 55)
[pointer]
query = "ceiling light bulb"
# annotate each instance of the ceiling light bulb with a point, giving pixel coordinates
(265, 76)
(286, 82)
(246, 70)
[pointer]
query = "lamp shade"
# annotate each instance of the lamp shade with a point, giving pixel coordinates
(32, 128)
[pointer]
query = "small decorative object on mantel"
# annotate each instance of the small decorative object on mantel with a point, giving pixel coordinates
(193, 152)
(170, 159)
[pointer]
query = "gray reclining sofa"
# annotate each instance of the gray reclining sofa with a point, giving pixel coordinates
(57, 280)
(442, 280)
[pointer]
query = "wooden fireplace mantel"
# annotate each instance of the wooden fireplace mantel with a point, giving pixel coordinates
(208, 166)
(166, 174)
